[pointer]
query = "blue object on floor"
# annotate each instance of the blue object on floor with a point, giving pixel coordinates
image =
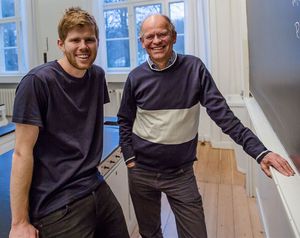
(10, 127)
(5, 215)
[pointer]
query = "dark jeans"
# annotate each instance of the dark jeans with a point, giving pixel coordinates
(182, 193)
(98, 215)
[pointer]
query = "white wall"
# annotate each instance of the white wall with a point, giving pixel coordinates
(48, 15)
(229, 60)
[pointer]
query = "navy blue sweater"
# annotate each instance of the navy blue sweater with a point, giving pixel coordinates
(159, 115)
(69, 113)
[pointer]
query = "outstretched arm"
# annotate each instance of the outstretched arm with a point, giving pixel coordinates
(219, 111)
(21, 176)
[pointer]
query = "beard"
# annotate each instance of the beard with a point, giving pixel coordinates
(81, 64)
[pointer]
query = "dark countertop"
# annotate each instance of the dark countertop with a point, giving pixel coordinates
(110, 142)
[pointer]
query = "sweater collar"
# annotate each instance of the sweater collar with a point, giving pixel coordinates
(171, 61)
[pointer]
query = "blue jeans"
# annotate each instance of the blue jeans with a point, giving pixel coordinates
(98, 215)
(182, 193)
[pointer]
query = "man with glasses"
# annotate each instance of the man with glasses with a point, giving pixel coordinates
(159, 116)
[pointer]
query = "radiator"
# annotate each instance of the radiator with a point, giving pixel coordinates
(115, 96)
(7, 97)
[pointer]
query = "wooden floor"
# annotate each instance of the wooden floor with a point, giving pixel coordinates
(229, 212)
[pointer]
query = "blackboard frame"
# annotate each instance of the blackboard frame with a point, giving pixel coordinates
(274, 66)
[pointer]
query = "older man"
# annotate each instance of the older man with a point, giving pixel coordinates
(158, 119)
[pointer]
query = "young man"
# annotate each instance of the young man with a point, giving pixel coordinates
(56, 188)
(158, 119)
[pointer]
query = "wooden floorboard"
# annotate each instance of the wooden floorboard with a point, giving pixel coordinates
(210, 204)
(211, 174)
(229, 212)
(257, 229)
(225, 170)
(225, 222)
(201, 164)
(242, 223)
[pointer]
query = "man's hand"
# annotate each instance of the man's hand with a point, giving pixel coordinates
(25, 230)
(276, 161)
(131, 165)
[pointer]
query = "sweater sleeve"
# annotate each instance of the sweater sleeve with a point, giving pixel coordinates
(221, 114)
(126, 116)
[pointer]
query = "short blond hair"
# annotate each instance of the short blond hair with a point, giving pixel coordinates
(76, 17)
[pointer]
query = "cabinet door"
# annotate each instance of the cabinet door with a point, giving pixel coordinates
(118, 182)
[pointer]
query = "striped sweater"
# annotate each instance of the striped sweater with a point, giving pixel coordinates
(159, 115)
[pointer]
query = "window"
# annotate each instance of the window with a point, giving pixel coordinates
(176, 10)
(10, 27)
(117, 38)
(140, 13)
(122, 46)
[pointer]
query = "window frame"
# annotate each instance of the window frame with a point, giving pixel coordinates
(18, 22)
(116, 69)
(117, 74)
(27, 41)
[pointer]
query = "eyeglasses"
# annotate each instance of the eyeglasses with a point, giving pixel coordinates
(160, 35)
